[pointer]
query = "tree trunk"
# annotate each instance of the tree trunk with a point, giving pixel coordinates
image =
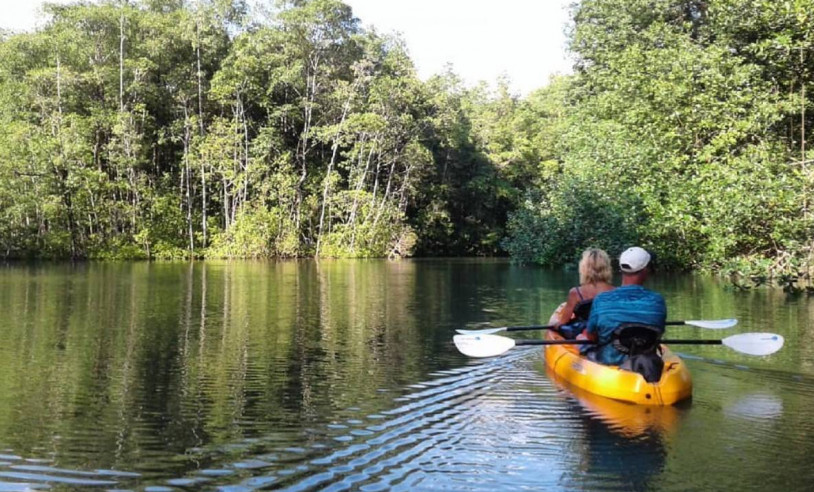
(61, 172)
(331, 163)
(359, 185)
(188, 173)
(201, 124)
(383, 203)
(121, 62)
(803, 133)
(310, 97)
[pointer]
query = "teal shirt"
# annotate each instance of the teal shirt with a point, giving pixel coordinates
(626, 304)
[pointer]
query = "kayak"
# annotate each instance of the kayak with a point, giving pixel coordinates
(569, 365)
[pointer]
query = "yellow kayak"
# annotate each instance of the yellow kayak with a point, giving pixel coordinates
(612, 382)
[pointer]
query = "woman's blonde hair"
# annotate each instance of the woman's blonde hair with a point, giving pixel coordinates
(595, 266)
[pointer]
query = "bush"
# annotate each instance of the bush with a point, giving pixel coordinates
(576, 215)
(257, 232)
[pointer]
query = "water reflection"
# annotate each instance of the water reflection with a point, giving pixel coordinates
(623, 446)
(331, 375)
(625, 419)
(760, 407)
(611, 460)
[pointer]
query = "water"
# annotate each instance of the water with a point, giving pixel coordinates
(341, 375)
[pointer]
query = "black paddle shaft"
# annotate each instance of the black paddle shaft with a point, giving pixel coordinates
(554, 342)
(590, 342)
(693, 342)
(530, 327)
(552, 327)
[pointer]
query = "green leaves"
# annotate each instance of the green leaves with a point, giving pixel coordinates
(692, 115)
(154, 129)
(169, 129)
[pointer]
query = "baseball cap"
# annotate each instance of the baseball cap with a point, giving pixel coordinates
(634, 259)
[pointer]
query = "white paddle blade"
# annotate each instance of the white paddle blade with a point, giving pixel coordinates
(482, 345)
(755, 343)
(713, 324)
(485, 331)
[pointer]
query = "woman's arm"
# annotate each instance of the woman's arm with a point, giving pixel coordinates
(567, 312)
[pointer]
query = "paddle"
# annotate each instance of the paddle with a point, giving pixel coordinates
(491, 345)
(711, 324)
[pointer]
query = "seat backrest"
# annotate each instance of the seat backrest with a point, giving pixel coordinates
(636, 338)
(582, 311)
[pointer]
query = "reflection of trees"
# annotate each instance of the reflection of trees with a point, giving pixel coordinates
(295, 342)
(134, 365)
(70, 366)
(757, 310)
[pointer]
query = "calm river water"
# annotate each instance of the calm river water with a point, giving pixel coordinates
(339, 375)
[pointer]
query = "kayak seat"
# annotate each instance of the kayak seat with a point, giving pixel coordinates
(572, 329)
(582, 311)
(636, 338)
(641, 344)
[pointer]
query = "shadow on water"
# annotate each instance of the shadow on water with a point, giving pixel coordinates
(624, 446)
(614, 461)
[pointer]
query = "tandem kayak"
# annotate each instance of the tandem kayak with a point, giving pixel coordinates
(569, 365)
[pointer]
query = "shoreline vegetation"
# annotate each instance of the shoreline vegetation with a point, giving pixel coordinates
(165, 129)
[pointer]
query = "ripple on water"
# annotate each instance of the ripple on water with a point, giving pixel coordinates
(216, 472)
(36, 477)
(500, 424)
(29, 474)
(22, 486)
(426, 430)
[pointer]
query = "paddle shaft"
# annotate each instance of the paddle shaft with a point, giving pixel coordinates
(530, 327)
(552, 327)
(591, 342)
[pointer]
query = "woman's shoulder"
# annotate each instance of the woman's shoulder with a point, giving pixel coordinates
(574, 294)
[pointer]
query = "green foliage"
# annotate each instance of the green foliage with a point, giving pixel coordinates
(178, 130)
(575, 216)
(150, 129)
(691, 114)
(369, 230)
(162, 233)
(256, 233)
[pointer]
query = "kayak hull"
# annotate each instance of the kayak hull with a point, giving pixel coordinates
(568, 364)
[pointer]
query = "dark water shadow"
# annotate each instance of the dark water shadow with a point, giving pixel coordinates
(624, 446)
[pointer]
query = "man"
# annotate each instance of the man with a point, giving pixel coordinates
(630, 303)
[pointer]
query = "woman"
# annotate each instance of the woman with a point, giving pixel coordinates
(594, 278)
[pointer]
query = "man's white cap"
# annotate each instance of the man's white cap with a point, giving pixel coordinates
(634, 259)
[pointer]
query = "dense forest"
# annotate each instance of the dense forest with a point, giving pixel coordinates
(180, 129)
(684, 128)
(172, 129)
